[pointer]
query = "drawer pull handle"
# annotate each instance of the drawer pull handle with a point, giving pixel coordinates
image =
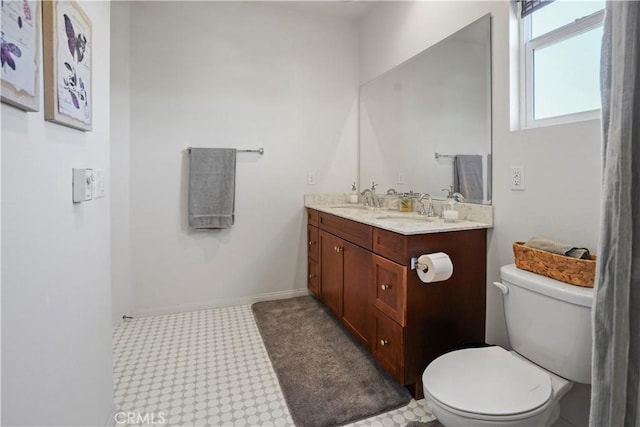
(385, 287)
(383, 342)
(312, 242)
(311, 276)
(337, 248)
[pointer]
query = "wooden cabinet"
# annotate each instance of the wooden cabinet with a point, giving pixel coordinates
(313, 260)
(313, 254)
(345, 274)
(388, 345)
(390, 285)
(363, 277)
(331, 272)
(356, 304)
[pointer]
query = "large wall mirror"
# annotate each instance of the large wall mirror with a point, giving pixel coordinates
(425, 125)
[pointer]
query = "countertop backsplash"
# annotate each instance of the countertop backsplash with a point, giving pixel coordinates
(467, 211)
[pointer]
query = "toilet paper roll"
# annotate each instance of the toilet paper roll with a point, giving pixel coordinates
(434, 267)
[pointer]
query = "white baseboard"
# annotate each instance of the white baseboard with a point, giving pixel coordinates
(217, 303)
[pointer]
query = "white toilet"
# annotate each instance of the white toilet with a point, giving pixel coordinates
(549, 328)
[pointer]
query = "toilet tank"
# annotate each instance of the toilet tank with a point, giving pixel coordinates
(549, 322)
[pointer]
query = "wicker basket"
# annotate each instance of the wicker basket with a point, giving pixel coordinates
(579, 272)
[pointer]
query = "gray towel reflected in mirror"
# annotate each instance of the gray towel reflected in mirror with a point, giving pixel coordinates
(467, 177)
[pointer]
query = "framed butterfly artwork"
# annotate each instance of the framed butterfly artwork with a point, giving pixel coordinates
(20, 54)
(67, 54)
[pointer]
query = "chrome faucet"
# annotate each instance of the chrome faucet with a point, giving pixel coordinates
(428, 211)
(371, 198)
(453, 195)
(368, 197)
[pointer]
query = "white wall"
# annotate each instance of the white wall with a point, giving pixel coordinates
(562, 162)
(0, 275)
(231, 74)
(56, 326)
(121, 291)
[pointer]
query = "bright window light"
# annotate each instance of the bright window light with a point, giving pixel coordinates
(560, 13)
(567, 76)
(561, 62)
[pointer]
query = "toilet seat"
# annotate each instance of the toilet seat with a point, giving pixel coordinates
(488, 383)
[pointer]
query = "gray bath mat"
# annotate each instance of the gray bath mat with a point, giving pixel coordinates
(434, 423)
(327, 378)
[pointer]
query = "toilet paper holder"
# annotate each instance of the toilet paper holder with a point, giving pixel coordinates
(434, 267)
(415, 264)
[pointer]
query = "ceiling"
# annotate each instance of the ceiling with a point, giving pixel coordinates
(351, 10)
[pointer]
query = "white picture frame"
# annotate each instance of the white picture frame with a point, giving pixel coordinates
(68, 48)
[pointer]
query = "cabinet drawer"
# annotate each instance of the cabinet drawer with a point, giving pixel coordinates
(390, 294)
(388, 345)
(390, 245)
(312, 242)
(312, 217)
(351, 231)
(313, 280)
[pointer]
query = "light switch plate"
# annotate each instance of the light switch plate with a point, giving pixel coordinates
(311, 178)
(82, 185)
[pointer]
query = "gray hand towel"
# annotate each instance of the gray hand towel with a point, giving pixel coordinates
(212, 187)
(558, 248)
(467, 176)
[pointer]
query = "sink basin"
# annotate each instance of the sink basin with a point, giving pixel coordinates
(345, 206)
(404, 218)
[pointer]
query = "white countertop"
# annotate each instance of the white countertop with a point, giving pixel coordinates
(398, 222)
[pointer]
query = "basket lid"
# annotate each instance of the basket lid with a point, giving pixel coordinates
(577, 295)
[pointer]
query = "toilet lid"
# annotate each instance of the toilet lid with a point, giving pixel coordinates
(487, 381)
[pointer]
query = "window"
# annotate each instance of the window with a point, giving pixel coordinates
(560, 61)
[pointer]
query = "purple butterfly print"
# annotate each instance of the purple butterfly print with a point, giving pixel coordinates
(81, 46)
(74, 98)
(27, 10)
(6, 50)
(71, 35)
(77, 44)
(75, 86)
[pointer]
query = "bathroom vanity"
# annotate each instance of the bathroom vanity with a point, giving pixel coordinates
(359, 266)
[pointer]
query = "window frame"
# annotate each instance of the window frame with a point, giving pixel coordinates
(528, 46)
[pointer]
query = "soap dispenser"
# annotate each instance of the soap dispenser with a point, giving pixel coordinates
(449, 211)
(353, 197)
(406, 202)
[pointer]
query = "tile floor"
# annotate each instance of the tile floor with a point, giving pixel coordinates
(207, 368)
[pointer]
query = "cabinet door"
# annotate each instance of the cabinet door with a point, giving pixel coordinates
(313, 258)
(312, 242)
(356, 291)
(388, 345)
(331, 271)
(390, 289)
(313, 279)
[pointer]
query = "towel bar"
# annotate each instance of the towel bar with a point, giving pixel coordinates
(258, 150)
(438, 155)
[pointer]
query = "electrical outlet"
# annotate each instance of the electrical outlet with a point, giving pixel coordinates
(311, 178)
(517, 178)
(401, 178)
